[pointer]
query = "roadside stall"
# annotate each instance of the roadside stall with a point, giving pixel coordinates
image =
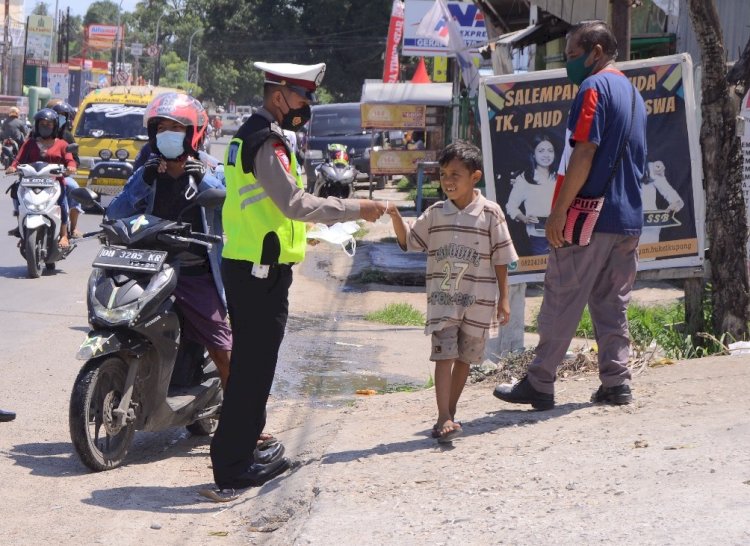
(398, 108)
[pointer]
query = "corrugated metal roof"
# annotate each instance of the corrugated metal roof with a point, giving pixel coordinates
(734, 16)
(571, 11)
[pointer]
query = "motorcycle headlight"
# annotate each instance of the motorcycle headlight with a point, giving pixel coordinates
(125, 314)
(36, 202)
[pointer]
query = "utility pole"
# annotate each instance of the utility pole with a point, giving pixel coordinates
(6, 48)
(67, 36)
(621, 28)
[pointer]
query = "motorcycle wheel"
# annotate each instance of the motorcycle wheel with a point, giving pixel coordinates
(33, 250)
(98, 389)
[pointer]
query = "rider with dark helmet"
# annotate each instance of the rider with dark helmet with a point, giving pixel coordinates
(163, 187)
(45, 146)
(65, 115)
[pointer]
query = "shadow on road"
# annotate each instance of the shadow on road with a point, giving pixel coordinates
(488, 423)
(58, 460)
(13, 272)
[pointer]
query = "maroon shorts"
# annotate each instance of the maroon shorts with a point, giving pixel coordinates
(204, 314)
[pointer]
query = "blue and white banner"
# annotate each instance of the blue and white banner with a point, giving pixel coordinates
(469, 20)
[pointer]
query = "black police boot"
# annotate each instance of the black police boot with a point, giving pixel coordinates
(523, 393)
(269, 454)
(256, 475)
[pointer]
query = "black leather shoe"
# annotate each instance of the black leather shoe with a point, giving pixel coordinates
(523, 393)
(14, 232)
(256, 475)
(269, 454)
(6, 416)
(618, 395)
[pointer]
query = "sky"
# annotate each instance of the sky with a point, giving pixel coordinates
(77, 7)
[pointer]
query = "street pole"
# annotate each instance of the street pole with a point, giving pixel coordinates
(158, 51)
(118, 40)
(190, 48)
(6, 48)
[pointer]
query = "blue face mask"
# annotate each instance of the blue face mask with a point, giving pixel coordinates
(171, 144)
(61, 121)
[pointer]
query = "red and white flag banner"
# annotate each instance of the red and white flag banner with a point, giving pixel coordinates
(395, 33)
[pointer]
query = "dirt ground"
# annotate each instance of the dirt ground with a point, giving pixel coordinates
(672, 468)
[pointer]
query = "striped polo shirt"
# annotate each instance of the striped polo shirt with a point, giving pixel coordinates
(463, 247)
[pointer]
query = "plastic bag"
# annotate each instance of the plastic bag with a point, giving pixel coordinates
(340, 234)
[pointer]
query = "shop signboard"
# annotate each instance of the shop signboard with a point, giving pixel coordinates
(39, 34)
(524, 119)
(470, 21)
(58, 80)
(390, 162)
(393, 116)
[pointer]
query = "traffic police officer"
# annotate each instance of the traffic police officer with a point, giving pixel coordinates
(264, 215)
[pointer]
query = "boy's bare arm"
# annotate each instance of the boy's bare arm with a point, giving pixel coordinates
(399, 225)
(503, 303)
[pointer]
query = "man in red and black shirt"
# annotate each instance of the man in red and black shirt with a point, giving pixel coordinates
(605, 155)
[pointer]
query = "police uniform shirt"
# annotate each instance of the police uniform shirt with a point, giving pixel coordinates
(273, 167)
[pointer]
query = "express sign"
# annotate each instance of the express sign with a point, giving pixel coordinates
(470, 21)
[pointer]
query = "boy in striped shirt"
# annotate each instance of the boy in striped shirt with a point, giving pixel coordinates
(468, 249)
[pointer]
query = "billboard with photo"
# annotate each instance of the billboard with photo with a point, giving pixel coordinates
(524, 118)
(39, 35)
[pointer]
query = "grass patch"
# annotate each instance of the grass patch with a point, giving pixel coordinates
(400, 314)
(661, 325)
(400, 387)
(360, 233)
(404, 184)
(428, 190)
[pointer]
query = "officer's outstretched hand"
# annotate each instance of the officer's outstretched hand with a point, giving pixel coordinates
(371, 210)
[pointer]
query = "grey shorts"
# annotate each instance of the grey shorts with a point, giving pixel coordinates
(451, 343)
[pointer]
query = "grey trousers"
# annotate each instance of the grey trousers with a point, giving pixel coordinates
(602, 275)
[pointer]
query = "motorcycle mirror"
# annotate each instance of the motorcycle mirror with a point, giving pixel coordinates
(84, 196)
(210, 198)
(72, 148)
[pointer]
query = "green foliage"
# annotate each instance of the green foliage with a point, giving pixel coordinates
(664, 326)
(428, 190)
(41, 8)
(404, 184)
(401, 314)
(102, 12)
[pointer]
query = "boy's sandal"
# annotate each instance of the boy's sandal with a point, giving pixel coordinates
(450, 435)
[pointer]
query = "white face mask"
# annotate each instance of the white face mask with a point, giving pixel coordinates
(170, 143)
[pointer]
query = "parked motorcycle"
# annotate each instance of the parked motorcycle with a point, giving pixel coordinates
(38, 189)
(335, 177)
(140, 372)
(9, 152)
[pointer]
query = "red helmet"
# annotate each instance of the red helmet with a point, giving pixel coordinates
(181, 108)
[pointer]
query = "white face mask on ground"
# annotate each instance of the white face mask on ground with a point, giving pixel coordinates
(170, 144)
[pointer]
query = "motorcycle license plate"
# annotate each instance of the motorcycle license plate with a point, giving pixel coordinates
(109, 181)
(130, 259)
(38, 182)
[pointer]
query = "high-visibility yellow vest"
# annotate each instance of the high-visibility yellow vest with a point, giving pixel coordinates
(252, 222)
